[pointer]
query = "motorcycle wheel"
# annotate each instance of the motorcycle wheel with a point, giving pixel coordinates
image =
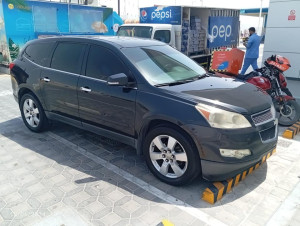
(291, 115)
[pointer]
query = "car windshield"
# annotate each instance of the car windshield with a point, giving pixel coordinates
(135, 31)
(162, 65)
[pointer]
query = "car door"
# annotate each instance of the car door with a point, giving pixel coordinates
(109, 107)
(59, 82)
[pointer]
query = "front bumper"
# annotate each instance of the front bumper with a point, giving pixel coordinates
(259, 140)
(218, 171)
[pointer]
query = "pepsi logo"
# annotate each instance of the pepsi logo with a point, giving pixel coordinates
(144, 14)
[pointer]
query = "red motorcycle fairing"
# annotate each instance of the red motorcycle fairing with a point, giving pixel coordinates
(282, 79)
(261, 82)
(286, 98)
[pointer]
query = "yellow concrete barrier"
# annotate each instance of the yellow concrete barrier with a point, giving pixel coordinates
(292, 131)
(216, 190)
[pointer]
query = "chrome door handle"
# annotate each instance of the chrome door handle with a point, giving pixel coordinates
(85, 89)
(46, 79)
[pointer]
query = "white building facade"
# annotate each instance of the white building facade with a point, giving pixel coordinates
(283, 33)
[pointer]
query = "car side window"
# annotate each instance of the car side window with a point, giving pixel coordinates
(39, 53)
(163, 36)
(68, 57)
(102, 63)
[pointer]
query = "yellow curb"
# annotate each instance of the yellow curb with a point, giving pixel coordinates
(292, 131)
(216, 190)
(244, 175)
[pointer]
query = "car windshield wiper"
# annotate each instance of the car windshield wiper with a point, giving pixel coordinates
(183, 81)
(175, 83)
(202, 76)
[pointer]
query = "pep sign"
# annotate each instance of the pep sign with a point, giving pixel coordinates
(223, 31)
(161, 15)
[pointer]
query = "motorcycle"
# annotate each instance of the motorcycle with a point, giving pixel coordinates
(270, 79)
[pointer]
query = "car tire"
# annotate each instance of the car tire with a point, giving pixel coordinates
(33, 114)
(171, 156)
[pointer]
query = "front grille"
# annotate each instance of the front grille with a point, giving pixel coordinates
(262, 117)
(268, 134)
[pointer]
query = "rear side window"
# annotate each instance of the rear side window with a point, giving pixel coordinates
(39, 53)
(102, 63)
(163, 36)
(68, 57)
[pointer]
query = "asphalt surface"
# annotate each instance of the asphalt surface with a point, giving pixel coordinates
(67, 176)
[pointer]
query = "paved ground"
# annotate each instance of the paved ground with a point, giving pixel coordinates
(67, 176)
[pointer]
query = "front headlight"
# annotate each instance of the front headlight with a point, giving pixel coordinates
(219, 118)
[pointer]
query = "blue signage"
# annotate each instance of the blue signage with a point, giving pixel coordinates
(24, 20)
(223, 31)
(161, 15)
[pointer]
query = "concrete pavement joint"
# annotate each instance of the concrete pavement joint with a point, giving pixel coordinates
(286, 211)
(260, 202)
(142, 184)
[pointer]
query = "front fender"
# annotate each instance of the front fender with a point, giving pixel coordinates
(146, 122)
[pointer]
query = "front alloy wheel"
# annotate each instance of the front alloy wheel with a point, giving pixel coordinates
(168, 156)
(171, 155)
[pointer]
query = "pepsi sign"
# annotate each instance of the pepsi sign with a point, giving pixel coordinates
(223, 31)
(144, 14)
(161, 15)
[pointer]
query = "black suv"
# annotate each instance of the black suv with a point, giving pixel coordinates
(150, 96)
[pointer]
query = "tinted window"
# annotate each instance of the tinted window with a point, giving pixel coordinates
(39, 53)
(163, 36)
(135, 31)
(103, 63)
(163, 64)
(67, 57)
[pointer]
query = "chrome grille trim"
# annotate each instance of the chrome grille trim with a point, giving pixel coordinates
(262, 117)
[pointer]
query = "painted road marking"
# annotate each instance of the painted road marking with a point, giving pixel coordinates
(142, 184)
(165, 223)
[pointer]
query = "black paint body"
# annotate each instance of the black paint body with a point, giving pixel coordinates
(127, 113)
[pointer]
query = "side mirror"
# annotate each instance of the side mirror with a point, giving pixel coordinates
(117, 80)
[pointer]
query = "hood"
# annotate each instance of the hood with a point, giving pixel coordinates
(226, 92)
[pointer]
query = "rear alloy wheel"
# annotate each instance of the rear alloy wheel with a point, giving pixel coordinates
(32, 113)
(171, 156)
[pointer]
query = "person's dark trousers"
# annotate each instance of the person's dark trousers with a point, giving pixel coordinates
(247, 63)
